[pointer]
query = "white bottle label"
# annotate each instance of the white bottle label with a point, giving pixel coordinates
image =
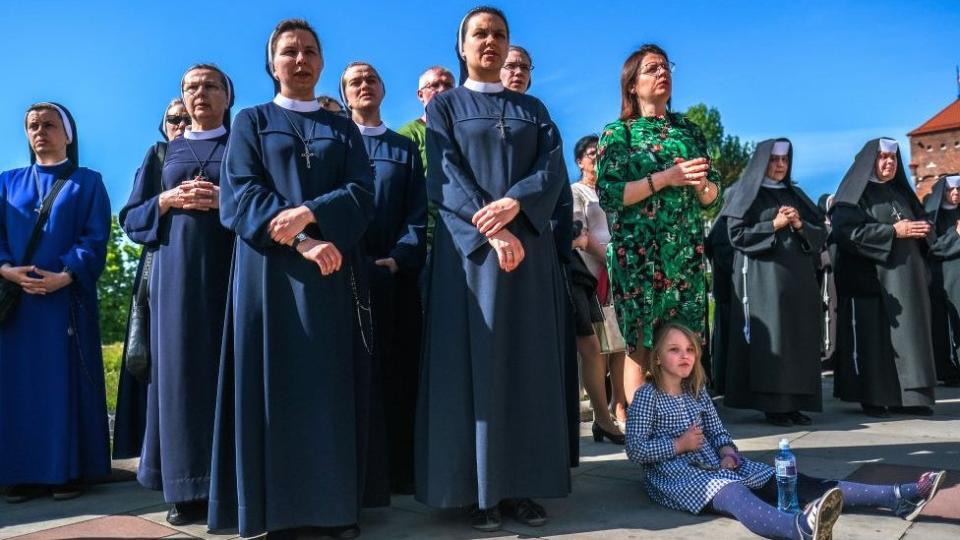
(786, 468)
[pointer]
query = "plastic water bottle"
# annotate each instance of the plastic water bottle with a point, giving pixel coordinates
(786, 464)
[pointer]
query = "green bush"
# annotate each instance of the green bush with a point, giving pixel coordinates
(112, 355)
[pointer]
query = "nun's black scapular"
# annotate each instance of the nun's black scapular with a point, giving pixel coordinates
(773, 353)
(884, 355)
(945, 286)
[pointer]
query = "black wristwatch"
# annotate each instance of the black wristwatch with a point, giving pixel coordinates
(300, 237)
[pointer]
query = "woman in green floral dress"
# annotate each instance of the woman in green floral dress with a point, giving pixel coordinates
(653, 181)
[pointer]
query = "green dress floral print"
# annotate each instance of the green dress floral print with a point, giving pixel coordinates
(655, 255)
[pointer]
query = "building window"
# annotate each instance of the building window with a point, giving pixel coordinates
(943, 146)
(930, 148)
(931, 165)
(956, 144)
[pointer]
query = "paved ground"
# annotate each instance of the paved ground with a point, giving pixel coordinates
(607, 501)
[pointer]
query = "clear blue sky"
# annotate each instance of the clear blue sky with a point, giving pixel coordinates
(827, 74)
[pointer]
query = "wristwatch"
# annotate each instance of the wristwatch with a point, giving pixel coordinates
(300, 237)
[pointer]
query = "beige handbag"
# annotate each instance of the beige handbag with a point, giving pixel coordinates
(608, 331)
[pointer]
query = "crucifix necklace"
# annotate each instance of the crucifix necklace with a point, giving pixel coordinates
(307, 154)
(501, 125)
(203, 164)
(40, 195)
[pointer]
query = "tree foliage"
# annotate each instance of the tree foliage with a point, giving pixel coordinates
(115, 284)
(728, 155)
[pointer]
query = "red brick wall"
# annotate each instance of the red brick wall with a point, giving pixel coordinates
(926, 149)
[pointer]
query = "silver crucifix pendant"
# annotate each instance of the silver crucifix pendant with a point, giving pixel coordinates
(306, 155)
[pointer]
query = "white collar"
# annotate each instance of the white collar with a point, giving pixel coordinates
(372, 131)
(198, 135)
(773, 184)
(484, 87)
(57, 164)
(296, 104)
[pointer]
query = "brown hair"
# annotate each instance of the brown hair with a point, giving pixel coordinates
(629, 104)
(697, 380)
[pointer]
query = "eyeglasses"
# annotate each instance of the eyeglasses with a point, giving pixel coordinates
(437, 85)
(652, 70)
(194, 89)
(515, 67)
(174, 120)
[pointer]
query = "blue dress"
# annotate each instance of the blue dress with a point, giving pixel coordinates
(654, 421)
(398, 230)
(53, 414)
(491, 413)
(293, 405)
(188, 294)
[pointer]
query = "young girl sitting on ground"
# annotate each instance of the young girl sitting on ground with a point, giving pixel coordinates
(692, 463)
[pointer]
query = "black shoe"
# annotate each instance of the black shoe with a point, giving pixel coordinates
(345, 532)
(799, 418)
(70, 490)
(779, 419)
(23, 493)
(185, 513)
(599, 433)
(952, 383)
(525, 511)
(876, 411)
(485, 519)
(918, 410)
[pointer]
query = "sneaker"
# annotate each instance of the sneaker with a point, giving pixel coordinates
(927, 486)
(817, 519)
(485, 519)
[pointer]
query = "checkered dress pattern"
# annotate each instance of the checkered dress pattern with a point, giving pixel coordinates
(687, 481)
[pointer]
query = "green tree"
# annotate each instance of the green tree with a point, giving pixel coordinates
(116, 283)
(727, 154)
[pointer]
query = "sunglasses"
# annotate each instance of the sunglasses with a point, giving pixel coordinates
(177, 120)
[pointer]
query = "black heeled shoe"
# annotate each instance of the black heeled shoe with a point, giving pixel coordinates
(599, 433)
(186, 513)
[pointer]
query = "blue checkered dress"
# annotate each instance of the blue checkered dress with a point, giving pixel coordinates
(690, 480)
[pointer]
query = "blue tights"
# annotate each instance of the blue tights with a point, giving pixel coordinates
(757, 511)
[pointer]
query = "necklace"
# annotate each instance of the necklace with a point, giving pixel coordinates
(40, 195)
(501, 125)
(203, 164)
(307, 154)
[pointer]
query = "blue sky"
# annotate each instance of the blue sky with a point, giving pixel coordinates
(829, 75)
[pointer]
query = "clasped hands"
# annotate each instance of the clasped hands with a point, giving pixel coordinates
(491, 221)
(787, 215)
(908, 228)
(289, 223)
(692, 440)
(196, 194)
(688, 173)
(48, 282)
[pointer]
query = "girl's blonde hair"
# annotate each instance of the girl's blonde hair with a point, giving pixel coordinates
(697, 380)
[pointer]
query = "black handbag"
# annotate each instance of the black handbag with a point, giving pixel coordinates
(137, 343)
(9, 291)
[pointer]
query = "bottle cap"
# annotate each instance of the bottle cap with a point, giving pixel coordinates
(784, 444)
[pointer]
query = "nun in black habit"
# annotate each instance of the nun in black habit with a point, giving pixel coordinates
(292, 417)
(773, 354)
(944, 215)
(718, 249)
(884, 357)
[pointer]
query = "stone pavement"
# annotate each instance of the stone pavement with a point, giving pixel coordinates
(607, 501)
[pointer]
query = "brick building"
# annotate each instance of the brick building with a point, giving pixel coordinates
(935, 148)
